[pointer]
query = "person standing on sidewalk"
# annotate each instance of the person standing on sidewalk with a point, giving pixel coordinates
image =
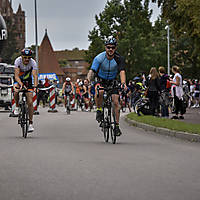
(41, 94)
(153, 85)
(164, 78)
(196, 94)
(177, 93)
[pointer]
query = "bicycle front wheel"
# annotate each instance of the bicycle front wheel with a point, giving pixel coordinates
(68, 105)
(106, 124)
(24, 120)
(112, 124)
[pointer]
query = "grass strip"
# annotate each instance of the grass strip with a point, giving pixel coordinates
(166, 123)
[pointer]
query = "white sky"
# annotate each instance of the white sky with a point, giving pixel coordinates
(67, 22)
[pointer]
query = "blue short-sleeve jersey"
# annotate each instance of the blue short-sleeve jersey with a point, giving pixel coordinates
(107, 69)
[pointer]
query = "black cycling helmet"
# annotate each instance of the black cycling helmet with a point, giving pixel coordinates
(112, 41)
(26, 52)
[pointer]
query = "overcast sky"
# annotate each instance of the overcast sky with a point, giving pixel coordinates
(68, 22)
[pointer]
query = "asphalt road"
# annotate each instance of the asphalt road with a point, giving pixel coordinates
(66, 159)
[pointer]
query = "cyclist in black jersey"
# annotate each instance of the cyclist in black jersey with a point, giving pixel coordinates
(67, 89)
(106, 66)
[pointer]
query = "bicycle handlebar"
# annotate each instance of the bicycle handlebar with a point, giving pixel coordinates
(108, 89)
(25, 89)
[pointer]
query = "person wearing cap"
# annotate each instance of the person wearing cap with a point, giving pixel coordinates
(106, 66)
(25, 67)
(67, 89)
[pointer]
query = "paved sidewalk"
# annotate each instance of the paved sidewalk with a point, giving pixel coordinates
(192, 115)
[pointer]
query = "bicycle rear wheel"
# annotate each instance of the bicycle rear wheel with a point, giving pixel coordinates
(112, 124)
(106, 124)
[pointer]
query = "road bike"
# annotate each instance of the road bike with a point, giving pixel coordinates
(23, 117)
(108, 121)
(68, 105)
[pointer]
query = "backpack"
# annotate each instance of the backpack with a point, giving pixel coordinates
(168, 84)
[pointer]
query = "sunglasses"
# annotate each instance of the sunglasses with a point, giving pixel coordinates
(27, 57)
(109, 47)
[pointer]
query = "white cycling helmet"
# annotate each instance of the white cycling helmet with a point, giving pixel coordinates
(77, 80)
(80, 83)
(68, 79)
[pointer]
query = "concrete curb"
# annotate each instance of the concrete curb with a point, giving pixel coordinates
(164, 131)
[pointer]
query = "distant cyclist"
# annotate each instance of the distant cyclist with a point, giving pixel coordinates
(25, 67)
(87, 94)
(67, 89)
(106, 66)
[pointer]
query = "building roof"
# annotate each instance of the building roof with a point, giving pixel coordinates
(71, 55)
(47, 58)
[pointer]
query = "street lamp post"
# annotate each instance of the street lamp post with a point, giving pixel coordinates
(36, 35)
(168, 51)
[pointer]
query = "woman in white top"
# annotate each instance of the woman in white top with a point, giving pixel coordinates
(177, 91)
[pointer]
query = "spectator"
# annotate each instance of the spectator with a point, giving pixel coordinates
(56, 90)
(164, 78)
(46, 85)
(153, 85)
(41, 94)
(177, 93)
(47, 82)
(196, 94)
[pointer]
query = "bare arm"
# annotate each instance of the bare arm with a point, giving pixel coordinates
(63, 88)
(90, 75)
(123, 77)
(35, 76)
(17, 71)
(72, 88)
(177, 81)
(89, 90)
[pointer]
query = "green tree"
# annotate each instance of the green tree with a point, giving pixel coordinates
(184, 19)
(129, 22)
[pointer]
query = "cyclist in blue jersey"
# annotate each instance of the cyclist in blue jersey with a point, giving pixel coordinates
(106, 66)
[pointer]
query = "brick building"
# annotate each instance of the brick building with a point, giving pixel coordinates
(17, 19)
(76, 66)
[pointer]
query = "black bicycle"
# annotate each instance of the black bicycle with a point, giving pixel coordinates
(68, 103)
(23, 117)
(108, 122)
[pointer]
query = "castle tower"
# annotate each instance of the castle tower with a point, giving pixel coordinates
(6, 9)
(20, 27)
(17, 20)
